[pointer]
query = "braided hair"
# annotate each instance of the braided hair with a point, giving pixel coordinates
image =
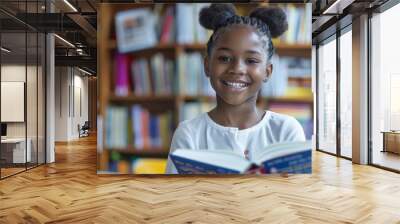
(268, 22)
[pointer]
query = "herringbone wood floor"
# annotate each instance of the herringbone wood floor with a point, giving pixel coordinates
(69, 191)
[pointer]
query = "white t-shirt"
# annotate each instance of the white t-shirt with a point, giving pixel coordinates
(202, 133)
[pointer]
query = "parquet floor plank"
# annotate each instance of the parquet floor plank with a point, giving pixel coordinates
(70, 191)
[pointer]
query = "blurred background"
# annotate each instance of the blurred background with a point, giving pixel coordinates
(150, 78)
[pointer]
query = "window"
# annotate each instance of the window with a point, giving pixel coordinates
(385, 87)
(346, 93)
(327, 96)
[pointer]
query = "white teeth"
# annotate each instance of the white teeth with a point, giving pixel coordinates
(236, 85)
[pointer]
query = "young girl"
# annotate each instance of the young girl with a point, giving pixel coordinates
(237, 63)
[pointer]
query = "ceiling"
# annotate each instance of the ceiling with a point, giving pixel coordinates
(331, 15)
(57, 5)
(18, 17)
(79, 27)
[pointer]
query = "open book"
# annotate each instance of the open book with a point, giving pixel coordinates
(290, 157)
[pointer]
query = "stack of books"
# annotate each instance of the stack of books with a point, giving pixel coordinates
(135, 127)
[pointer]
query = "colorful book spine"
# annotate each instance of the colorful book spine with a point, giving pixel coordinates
(167, 27)
(117, 127)
(122, 86)
(299, 22)
(137, 127)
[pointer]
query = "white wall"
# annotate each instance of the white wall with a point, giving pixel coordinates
(13, 73)
(71, 93)
(61, 103)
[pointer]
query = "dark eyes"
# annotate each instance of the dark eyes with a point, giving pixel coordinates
(252, 61)
(228, 59)
(224, 59)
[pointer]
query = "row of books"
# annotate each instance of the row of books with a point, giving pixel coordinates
(180, 24)
(126, 164)
(299, 23)
(136, 127)
(143, 28)
(158, 81)
(284, 69)
(161, 76)
(297, 66)
(192, 79)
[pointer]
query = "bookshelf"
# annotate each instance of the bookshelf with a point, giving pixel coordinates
(174, 102)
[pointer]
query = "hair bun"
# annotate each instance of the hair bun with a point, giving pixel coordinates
(275, 18)
(215, 15)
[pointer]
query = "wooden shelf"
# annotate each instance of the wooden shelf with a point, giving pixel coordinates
(307, 78)
(298, 50)
(197, 98)
(290, 99)
(138, 99)
(145, 152)
(112, 44)
(159, 98)
(281, 48)
(286, 46)
(301, 81)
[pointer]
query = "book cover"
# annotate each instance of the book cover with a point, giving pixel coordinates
(135, 30)
(289, 157)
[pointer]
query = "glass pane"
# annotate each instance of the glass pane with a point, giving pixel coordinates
(346, 94)
(31, 97)
(327, 97)
(13, 87)
(41, 99)
(385, 89)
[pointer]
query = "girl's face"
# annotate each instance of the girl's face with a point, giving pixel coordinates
(237, 65)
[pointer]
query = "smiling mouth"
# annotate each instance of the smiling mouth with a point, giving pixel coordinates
(235, 85)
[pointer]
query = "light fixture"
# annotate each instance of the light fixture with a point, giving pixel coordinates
(70, 5)
(337, 7)
(80, 51)
(5, 50)
(65, 41)
(84, 71)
